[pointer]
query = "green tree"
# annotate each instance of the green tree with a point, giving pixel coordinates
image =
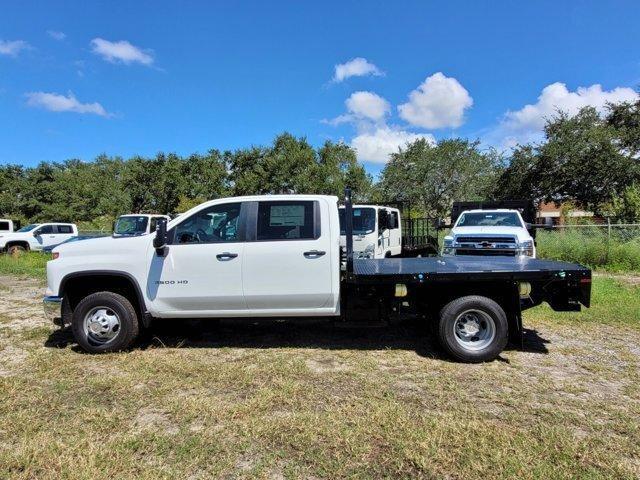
(433, 176)
(585, 159)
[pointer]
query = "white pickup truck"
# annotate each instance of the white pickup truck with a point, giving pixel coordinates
(37, 236)
(279, 256)
(377, 232)
(499, 232)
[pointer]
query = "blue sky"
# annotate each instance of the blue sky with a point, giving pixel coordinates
(82, 78)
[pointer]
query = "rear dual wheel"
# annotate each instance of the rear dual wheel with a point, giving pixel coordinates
(473, 329)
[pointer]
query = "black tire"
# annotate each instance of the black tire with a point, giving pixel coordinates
(128, 328)
(476, 306)
(16, 250)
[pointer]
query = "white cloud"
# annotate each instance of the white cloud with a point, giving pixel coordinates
(438, 102)
(13, 47)
(376, 145)
(356, 67)
(55, 102)
(526, 125)
(363, 106)
(368, 105)
(56, 35)
(121, 51)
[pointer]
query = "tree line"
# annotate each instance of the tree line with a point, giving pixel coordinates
(590, 159)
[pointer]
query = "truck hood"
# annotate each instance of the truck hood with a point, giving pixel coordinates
(10, 236)
(103, 246)
(519, 232)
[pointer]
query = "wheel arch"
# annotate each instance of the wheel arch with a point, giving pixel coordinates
(20, 243)
(74, 286)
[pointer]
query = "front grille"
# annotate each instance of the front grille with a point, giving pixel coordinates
(485, 252)
(486, 239)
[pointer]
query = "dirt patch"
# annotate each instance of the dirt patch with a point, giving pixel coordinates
(21, 303)
(12, 360)
(150, 420)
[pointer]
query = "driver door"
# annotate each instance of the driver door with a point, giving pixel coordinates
(46, 236)
(201, 273)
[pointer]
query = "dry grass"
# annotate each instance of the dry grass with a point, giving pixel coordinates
(282, 400)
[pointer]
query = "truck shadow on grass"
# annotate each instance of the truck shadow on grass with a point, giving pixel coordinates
(292, 333)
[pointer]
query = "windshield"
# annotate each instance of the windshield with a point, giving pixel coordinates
(28, 228)
(364, 221)
(489, 219)
(131, 225)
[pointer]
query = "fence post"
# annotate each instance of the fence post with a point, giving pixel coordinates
(606, 260)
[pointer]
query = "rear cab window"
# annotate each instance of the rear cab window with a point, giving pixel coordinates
(287, 220)
(65, 229)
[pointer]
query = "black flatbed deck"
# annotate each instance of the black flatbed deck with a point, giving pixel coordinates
(433, 269)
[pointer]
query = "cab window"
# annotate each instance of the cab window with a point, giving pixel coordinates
(216, 224)
(44, 230)
(287, 220)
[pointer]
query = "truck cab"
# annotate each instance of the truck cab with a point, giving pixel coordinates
(497, 232)
(6, 225)
(37, 237)
(377, 231)
(137, 224)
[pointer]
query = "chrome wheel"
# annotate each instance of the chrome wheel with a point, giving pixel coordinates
(474, 330)
(101, 325)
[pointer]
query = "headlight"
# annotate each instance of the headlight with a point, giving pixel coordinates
(447, 246)
(526, 248)
(369, 251)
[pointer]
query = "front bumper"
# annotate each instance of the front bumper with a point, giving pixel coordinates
(53, 309)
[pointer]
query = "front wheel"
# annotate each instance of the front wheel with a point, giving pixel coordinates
(104, 322)
(473, 329)
(16, 250)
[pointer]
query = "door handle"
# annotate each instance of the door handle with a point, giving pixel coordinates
(314, 253)
(226, 256)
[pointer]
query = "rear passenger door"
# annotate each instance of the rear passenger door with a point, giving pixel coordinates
(63, 233)
(287, 262)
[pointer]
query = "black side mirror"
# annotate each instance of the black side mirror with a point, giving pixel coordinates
(36, 234)
(160, 240)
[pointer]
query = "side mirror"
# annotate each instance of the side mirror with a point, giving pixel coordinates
(36, 234)
(160, 240)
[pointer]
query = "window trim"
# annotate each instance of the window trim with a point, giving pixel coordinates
(242, 226)
(252, 225)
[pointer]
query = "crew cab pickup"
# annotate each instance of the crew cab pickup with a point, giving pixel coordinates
(500, 232)
(279, 256)
(37, 236)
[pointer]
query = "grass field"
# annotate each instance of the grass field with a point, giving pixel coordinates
(30, 264)
(592, 247)
(291, 400)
